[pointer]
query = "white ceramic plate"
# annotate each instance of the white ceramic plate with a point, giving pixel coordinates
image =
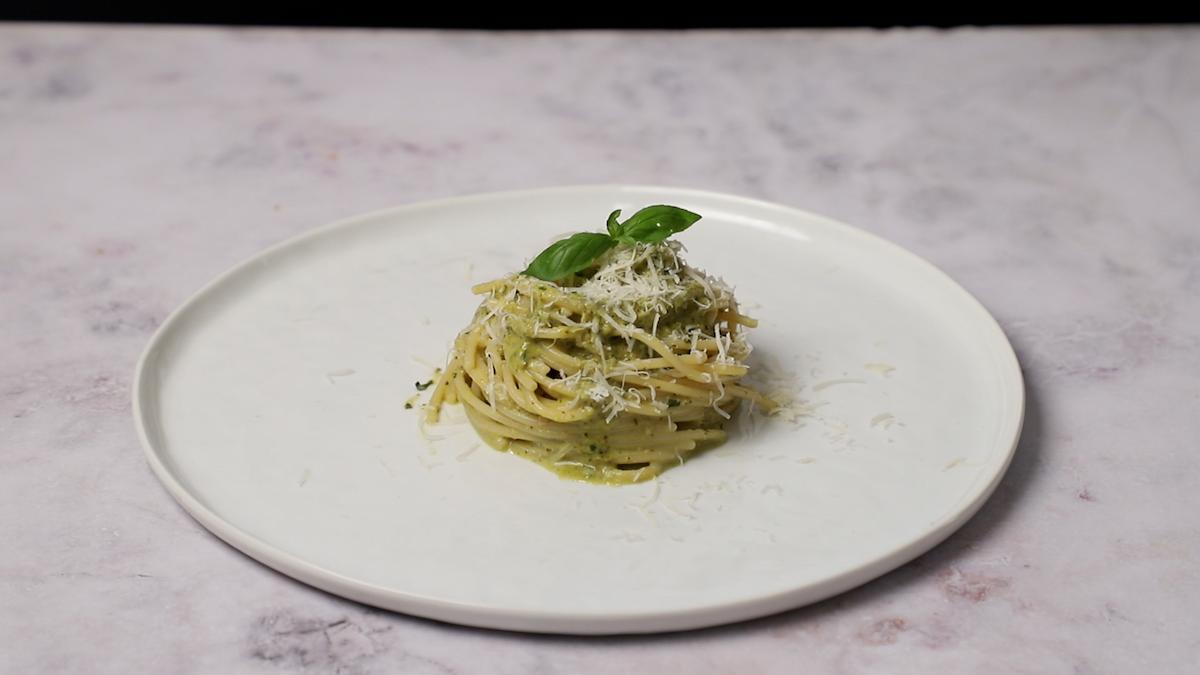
(271, 407)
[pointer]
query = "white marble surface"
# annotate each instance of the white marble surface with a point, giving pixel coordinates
(1055, 173)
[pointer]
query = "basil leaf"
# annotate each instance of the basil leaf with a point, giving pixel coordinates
(655, 223)
(568, 256)
(614, 228)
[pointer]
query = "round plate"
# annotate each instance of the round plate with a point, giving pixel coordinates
(271, 405)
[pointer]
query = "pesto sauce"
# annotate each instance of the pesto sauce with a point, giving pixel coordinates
(577, 468)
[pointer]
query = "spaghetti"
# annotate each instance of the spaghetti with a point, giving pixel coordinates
(611, 375)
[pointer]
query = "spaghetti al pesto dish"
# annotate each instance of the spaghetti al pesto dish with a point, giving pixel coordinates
(608, 359)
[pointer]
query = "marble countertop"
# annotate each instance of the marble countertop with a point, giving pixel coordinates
(1054, 173)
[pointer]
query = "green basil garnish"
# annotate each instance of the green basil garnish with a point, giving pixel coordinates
(650, 225)
(614, 228)
(655, 223)
(568, 256)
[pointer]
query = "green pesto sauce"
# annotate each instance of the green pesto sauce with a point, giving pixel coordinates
(578, 467)
(516, 350)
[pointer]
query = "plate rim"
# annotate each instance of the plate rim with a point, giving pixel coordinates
(578, 622)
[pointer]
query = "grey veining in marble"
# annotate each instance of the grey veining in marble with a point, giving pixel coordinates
(1055, 173)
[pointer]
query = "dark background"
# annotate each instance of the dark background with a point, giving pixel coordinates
(582, 15)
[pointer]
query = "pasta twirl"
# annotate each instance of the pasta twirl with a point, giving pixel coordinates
(612, 374)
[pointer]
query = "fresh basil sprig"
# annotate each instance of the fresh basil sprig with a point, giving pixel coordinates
(567, 256)
(652, 224)
(614, 227)
(648, 226)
